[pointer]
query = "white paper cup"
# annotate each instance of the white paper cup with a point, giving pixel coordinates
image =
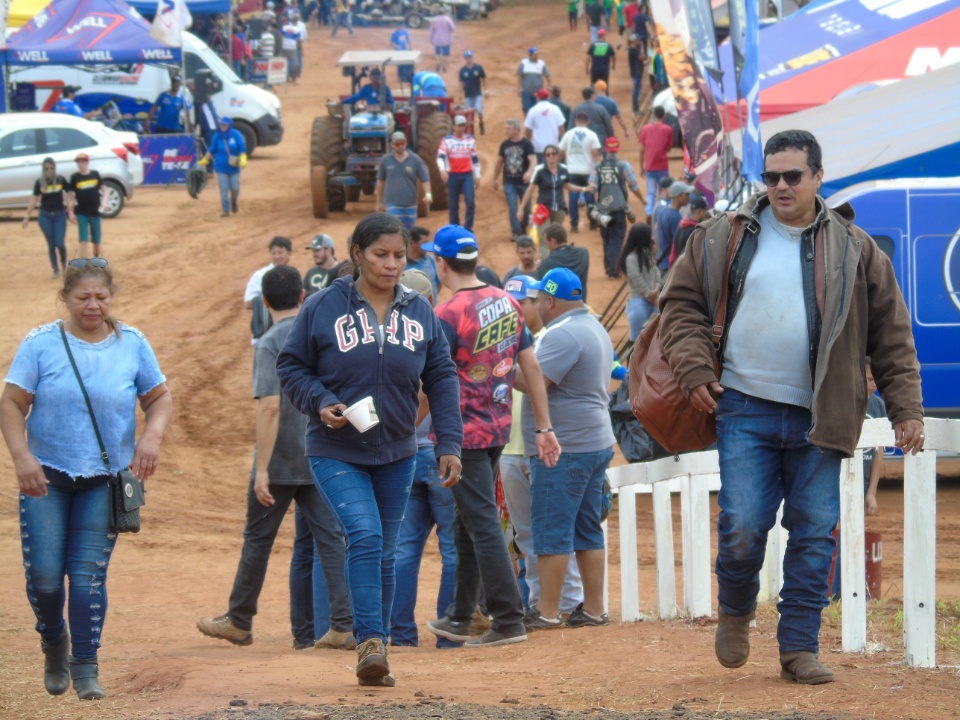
(362, 415)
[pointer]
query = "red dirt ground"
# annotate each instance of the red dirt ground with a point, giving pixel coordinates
(182, 271)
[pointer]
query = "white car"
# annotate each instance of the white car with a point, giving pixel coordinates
(29, 137)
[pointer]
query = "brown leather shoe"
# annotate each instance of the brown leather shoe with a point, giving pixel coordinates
(372, 662)
(732, 642)
(804, 667)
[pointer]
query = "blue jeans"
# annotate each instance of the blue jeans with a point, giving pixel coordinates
(260, 532)
(638, 312)
(368, 501)
(635, 98)
(457, 184)
(612, 236)
(309, 598)
(528, 100)
(53, 225)
(67, 533)
(229, 189)
(429, 505)
(513, 194)
(566, 500)
(575, 199)
(766, 457)
(653, 187)
(482, 557)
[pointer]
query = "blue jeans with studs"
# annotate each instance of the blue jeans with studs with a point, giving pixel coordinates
(66, 534)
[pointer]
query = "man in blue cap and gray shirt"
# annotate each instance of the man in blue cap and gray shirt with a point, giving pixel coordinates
(575, 356)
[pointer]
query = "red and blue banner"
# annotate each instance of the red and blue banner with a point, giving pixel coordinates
(166, 158)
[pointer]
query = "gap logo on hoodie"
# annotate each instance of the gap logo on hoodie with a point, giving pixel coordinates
(357, 328)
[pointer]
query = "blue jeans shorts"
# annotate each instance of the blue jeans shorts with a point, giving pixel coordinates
(442, 50)
(566, 501)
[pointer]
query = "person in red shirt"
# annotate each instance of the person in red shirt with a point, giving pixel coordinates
(656, 139)
(489, 343)
(459, 166)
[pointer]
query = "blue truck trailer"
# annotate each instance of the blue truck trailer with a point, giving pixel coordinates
(917, 223)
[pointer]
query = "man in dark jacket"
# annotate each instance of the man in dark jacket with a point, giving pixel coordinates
(563, 254)
(811, 295)
(699, 209)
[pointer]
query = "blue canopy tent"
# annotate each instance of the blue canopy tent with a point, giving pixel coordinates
(87, 32)
(196, 7)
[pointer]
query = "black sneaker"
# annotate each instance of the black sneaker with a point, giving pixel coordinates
(534, 620)
(581, 618)
(492, 638)
(449, 629)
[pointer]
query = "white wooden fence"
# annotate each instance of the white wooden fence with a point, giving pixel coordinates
(695, 475)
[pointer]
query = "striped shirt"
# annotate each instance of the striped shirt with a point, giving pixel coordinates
(458, 155)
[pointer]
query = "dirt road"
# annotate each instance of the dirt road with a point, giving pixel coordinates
(182, 271)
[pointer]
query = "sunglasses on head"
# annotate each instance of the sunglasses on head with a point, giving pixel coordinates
(97, 262)
(790, 177)
(550, 154)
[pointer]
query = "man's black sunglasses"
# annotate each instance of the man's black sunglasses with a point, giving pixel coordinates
(790, 177)
(97, 262)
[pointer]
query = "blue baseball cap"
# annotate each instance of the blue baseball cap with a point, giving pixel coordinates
(453, 241)
(521, 287)
(531, 51)
(561, 283)
(468, 53)
(226, 121)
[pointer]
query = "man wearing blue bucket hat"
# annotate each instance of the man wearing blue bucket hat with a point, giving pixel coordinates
(575, 356)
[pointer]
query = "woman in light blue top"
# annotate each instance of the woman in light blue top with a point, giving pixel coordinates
(64, 509)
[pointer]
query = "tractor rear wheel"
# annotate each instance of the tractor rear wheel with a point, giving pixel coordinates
(318, 191)
(326, 151)
(326, 143)
(430, 131)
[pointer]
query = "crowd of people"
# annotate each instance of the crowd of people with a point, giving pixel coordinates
(384, 414)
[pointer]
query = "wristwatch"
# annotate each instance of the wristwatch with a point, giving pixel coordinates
(544, 431)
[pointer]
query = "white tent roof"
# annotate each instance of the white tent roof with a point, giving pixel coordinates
(882, 126)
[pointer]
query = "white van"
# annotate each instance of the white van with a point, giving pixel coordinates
(135, 87)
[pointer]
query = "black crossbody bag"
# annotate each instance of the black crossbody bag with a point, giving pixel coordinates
(126, 491)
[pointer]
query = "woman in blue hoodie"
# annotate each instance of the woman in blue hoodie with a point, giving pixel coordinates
(229, 154)
(362, 336)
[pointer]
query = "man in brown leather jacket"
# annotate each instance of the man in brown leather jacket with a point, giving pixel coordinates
(810, 297)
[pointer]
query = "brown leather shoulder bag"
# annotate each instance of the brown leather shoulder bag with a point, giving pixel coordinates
(656, 397)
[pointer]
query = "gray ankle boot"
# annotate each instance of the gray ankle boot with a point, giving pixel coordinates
(84, 674)
(56, 667)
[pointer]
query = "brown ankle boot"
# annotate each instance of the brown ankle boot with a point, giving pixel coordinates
(372, 662)
(732, 643)
(804, 667)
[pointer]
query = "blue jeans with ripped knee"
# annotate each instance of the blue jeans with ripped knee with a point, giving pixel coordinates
(368, 501)
(66, 534)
